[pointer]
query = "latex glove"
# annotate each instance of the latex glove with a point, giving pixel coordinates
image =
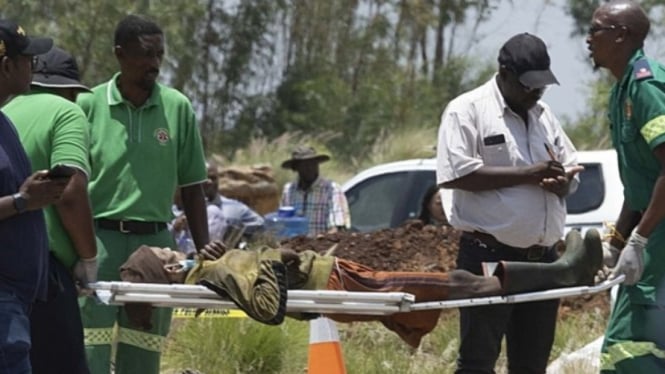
(610, 254)
(85, 271)
(631, 260)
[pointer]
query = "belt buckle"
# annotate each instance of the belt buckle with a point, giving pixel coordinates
(535, 253)
(122, 228)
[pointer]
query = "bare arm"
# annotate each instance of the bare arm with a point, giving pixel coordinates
(194, 202)
(76, 216)
(655, 211)
(495, 177)
(37, 190)
(624, 225)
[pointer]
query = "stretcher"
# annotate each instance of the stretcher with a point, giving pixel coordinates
(338, 302)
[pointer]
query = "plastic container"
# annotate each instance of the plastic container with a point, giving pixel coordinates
(284, 223)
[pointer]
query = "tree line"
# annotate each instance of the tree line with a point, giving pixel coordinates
(255, 68)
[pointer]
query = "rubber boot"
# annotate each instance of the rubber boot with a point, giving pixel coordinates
(576, 267)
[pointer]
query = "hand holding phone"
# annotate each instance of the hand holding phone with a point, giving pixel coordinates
(61, 171)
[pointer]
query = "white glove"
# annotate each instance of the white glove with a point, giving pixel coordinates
(85, 271)
(610, 254)
(631, 260)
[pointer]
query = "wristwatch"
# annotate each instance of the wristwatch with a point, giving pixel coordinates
(20, 203)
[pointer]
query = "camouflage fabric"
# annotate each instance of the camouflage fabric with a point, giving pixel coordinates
(255, 280)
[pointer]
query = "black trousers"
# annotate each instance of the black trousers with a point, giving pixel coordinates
(528, 327)
(55, 327)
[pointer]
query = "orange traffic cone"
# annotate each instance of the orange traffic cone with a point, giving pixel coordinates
(325, 350)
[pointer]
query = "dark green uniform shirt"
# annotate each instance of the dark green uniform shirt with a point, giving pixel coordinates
(637, 120)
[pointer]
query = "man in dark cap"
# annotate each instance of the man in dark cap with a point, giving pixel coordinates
(635, 337)
(321, 200)
(57, 134)
(511, 165)
(24, 265)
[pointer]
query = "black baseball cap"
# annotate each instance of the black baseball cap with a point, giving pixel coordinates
(526, 55)
(14, 41)
(57, 69)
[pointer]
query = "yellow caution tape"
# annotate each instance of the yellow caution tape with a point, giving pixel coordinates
(208, 313)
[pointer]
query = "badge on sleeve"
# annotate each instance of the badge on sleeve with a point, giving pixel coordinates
(641, 69)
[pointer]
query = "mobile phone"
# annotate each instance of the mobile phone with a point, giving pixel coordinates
(61, 171)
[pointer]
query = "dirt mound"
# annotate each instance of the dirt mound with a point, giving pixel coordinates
(412, 247)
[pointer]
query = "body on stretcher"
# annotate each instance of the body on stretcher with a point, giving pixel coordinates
(323, 301)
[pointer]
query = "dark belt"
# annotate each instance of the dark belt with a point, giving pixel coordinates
(532, 253)
(131, 227)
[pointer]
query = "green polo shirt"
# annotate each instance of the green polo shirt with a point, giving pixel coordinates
(53, 131)
(140, 155)
(637, 118)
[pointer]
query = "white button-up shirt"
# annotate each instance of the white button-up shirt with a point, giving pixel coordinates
(478, 128)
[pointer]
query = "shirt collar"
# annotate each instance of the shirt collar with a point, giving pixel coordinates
(114, 96)
(537, 109)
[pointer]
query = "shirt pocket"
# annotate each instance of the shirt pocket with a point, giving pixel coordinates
(496, 155)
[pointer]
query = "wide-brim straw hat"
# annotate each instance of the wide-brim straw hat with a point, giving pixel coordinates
(302, 153)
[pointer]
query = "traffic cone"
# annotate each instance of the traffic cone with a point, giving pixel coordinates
(325, 350)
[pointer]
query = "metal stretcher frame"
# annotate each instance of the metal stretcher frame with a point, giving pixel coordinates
(339, 302)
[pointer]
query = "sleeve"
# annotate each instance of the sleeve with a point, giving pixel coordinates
(71, 139)
(339, 214)
(456, 152)
(191, 160)
(84, 101)
(250, 218)
(648, 111)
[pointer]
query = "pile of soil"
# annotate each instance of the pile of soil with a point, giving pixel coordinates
(413, 247)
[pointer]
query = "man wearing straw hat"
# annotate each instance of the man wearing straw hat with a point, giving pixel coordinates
(321, 200)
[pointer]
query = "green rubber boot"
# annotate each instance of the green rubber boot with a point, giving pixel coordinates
(576, 267)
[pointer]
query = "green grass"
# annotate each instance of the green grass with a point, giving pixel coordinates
(400, 145)
(243, 346)
(236, 345)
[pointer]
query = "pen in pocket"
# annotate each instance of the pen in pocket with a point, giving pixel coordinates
(549, 152)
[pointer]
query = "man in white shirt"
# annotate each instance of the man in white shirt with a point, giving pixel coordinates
(510, 166)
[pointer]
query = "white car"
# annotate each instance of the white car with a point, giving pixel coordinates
(386, 195)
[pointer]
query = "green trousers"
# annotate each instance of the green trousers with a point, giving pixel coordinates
(137, 351)
(635, 338)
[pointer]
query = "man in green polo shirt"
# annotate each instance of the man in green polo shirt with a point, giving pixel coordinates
(144, 142)
(635, 338)
(55, 134)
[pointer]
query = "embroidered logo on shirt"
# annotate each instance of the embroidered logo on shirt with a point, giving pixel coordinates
(628, 109)
(162, 136)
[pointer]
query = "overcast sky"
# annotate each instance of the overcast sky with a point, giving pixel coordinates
(546, 19)
(570, 58)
